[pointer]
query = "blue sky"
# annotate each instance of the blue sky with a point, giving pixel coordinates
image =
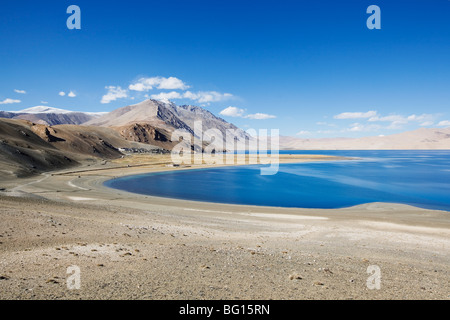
(309, 68)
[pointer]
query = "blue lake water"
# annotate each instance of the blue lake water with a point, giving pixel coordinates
(419, 178)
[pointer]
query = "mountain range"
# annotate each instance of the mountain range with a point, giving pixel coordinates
(150, 121)
(420, 139)
(42, 138)
(50, 116)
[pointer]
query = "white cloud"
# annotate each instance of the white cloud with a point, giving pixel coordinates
(356, 115)
(10, 101)
(190, 95)
(138, 87)
(172, 83)
(207, 96)
(62, 93)
(260, 116)
(444, 123)
(113, 94)
(166, 96)
(358, 127)
(423, 119)
(303, 133)
(146, 84)
(395, 118)
(20, 91)
(321, 123)
(403, 119)
(71, 94)
(200, 97)
(232, 112)
(326, 131)
(397, 121)
(44, 102)
(237, 112)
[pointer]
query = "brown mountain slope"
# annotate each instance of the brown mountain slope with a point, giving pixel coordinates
(28, 148)
(23, 152)
(145, 133)
(80, 140)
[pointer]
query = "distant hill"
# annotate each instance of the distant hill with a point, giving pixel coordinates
(421, 139)
(50, 116)
(7, 115)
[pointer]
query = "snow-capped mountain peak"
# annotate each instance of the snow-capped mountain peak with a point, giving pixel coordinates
(51, 116)
(43, 109)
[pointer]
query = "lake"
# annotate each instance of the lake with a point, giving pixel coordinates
(418, 178)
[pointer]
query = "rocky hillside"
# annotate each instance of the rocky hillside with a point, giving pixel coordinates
(163, 116)
(145, 133)
(28, 148)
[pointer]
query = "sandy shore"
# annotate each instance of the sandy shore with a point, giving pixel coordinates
(130, 246)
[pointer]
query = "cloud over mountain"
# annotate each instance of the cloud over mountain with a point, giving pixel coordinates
(146, 84)
(113, 94)
(240, 113)
(232, 112)
(356, 115)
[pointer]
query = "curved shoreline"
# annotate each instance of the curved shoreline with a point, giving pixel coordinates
(131, 246)
(87, 186)
(108, 184)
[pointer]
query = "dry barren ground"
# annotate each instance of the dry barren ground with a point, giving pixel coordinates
(136, 247)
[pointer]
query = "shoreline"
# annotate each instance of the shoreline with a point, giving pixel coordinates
(387, 204)
(131, 246)
(89, 186)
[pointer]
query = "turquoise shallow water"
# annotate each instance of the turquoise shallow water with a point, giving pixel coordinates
(419, 178)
